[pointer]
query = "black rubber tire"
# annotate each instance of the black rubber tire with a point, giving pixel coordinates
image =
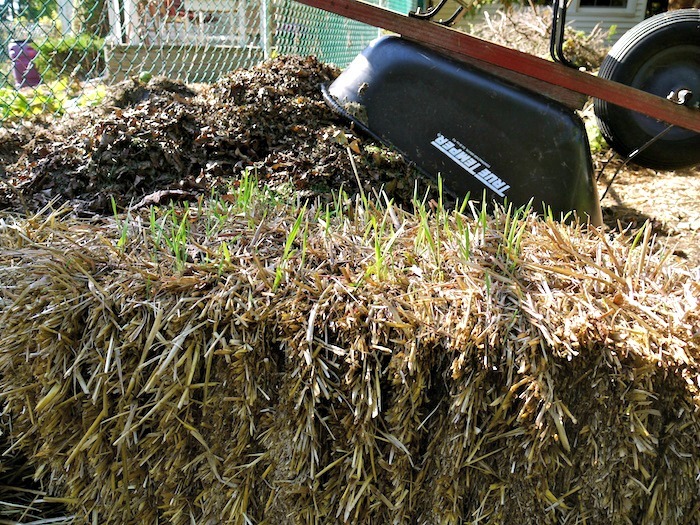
(658, 55)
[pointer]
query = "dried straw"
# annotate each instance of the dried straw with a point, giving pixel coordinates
(374, 367)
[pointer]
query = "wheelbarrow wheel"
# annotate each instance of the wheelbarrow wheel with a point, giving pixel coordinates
(660, 55)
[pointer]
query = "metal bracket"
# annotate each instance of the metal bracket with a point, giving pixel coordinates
(681, 97)
(556, 40)
(433, 11)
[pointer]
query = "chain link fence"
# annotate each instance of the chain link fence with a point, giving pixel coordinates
(58, 54)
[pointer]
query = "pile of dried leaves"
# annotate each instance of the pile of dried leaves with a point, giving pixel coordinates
(528, 29)
(350, 364)
(185, 141)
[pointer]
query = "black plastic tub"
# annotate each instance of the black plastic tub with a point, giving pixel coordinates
(479, 133)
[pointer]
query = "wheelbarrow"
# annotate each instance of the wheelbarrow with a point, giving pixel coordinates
(497, 122)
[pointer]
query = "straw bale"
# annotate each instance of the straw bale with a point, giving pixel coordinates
(357, 373)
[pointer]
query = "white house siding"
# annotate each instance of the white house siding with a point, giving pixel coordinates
(587, 18)
(580, 18)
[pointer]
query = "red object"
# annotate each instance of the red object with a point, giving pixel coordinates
(22, 55)
(457, 44)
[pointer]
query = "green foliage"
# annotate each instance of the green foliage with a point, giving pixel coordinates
(54, 98)
(175, 234)
(91, 18)
(15, 104)
(82, 43)
(36, 9)
(6, 74)
(62, 62)
(77, 56)
(596, 140)
(122, 226)
(176, 238)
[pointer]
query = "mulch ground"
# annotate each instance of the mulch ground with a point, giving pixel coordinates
(667, 199)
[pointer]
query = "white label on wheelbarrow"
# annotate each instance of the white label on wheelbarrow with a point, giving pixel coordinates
(471, 163)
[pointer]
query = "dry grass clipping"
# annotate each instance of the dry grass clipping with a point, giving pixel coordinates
(350, 365)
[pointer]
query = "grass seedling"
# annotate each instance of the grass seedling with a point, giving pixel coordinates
(462, 207)
(548, 213)
(340, 197)
(638, 236)
(288, 248)
(463, 235)
(441, 212)
(225, 258)
(156, 232)
(480, 215)
(206, 212)
(225, 252)
(387, 247)
(247, 186)
(327, 220)
(247, 195)
(178, 239)
(487, 279)
(173, 235)
(513, 230)
(122, 226)
(425, 236)
(458, 228)
(377, 269)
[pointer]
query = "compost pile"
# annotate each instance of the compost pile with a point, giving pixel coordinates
(497, 370)
(170, 141)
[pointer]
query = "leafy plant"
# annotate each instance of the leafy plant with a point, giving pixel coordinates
(47, 99)
(75, 56)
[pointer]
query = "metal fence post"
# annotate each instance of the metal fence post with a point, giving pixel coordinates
(65, 16)
(266, 29)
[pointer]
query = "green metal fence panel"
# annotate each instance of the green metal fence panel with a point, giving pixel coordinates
(308, 31)
(56, 54)
(401, 6)
(304, 30)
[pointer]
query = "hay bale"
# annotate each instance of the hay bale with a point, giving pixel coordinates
(350, 365)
